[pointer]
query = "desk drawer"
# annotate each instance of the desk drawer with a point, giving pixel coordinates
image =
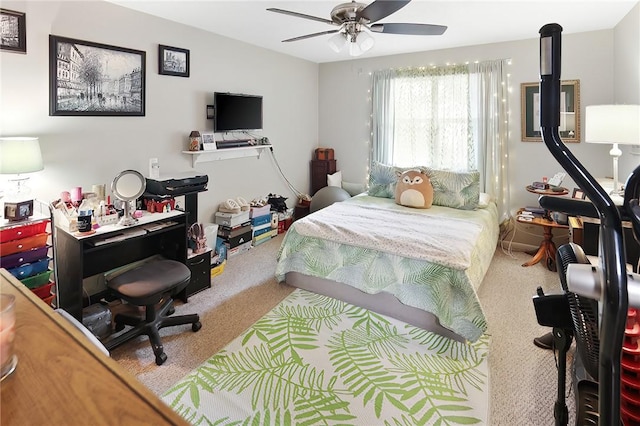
(200, 267)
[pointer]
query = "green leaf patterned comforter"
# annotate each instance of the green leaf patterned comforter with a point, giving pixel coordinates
(314, 360)
(446, 292)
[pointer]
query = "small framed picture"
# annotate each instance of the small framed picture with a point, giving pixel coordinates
(13, 31)
(577, 193)
(173, 61)
(208, 141)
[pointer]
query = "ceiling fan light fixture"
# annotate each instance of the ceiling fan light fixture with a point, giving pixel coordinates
(337, 42)
(365, 41)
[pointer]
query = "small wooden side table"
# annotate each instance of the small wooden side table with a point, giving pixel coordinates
(563, 191)
(547, 249)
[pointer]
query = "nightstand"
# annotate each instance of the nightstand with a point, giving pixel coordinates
(547, 249)
(300, 211)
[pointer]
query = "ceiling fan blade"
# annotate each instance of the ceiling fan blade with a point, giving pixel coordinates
(310, 35)
(301, 15)
(409, 29)
(381, 9)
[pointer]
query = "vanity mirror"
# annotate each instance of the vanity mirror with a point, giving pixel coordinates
(128, 186)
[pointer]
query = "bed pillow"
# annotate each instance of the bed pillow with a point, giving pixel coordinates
(414, 189)
(353, 188)
(459, 190)
(484, 200)
(335, 179)
(383, 179)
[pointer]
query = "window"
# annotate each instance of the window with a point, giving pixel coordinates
(432, 122)
(453, 117)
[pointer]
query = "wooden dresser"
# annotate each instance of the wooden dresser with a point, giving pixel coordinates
(63, 379)
(319, 171)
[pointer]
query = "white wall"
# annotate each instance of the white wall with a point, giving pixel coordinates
(81, 151)
(627, 76)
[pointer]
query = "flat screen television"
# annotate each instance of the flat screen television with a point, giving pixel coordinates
(236, 112)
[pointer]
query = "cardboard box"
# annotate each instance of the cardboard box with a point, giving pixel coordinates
(227, 232)
(263, 229)
(259, 239)
(231, 219)
(242, 248)
(234, 242)
(260, 211)
(217, 269)
(283, 225)
(261, 220)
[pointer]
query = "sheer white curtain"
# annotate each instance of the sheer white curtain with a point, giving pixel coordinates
(489, 103)
(454, 117)
(383, 117)
(421, 117)
(432, 118)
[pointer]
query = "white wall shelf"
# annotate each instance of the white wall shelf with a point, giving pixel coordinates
(225, 153)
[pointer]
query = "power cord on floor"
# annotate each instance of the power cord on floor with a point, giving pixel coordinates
(298, 194)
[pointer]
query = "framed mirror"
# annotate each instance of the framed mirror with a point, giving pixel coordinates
(128, 186)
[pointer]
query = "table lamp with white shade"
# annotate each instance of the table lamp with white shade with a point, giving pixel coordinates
(613, 124)
(18, 156)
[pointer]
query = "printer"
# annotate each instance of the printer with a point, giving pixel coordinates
(177, 184)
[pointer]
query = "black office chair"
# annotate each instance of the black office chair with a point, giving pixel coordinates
(147, 285)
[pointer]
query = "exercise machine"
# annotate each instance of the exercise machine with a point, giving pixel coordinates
(608, 283)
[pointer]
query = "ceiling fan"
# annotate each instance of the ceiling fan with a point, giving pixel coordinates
(354, 18)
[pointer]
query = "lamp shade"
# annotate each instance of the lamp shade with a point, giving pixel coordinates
(20, 155)
(337, 42)
(613, 124)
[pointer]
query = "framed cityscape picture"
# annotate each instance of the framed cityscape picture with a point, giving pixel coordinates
(13, 31)
(173, 61)
(93, 79)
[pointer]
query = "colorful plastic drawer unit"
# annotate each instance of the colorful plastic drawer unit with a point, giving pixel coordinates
(17, 259)
(37, 280)
(29, 269)
(43, 291)
(23, 231)
(23, 244)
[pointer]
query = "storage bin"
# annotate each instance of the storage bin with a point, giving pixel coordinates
(43, 291)
(24, 244)
(29, 269)
(23, 231)
(17, 259)
(37, 280)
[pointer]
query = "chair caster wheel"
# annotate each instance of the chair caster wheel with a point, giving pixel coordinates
(119, 326)
(171, 311)
(160, 359)
(196, 326)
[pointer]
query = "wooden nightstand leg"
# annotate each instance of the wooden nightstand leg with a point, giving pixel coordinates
(540, 254)
(547, 251)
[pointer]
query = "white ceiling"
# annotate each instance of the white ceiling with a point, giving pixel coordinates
(470, 22)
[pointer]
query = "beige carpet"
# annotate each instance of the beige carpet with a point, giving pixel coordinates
(522, 377)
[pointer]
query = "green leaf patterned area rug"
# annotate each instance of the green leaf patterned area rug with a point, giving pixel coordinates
(314, 360)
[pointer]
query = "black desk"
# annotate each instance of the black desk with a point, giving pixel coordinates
(79, 257)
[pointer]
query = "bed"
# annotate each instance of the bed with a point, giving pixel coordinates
(421, 266)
